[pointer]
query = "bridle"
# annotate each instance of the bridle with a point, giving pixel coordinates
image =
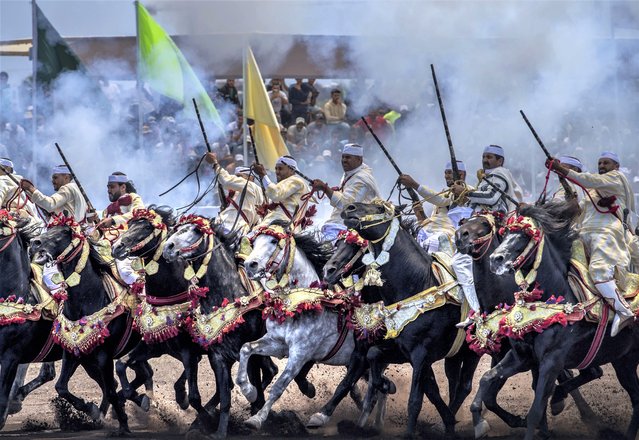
(535, 246)
(159, 229)
(482, 244)
(203, 226)
(285, 247)
(78, 245)
(351, 236)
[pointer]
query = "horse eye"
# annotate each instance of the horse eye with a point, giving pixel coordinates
(273, 240)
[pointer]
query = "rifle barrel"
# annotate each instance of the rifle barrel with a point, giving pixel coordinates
(539, 141)
(199, 119)
(451, 149)
(77, 182)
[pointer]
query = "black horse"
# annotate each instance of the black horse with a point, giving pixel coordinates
(478, 237)
(558, 347)
(195, 241)
(83, 269)
(407, 272)
(20, 342)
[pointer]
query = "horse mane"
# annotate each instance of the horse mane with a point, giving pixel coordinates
(317, 251)
(555, 218)
(410, 225)
(26, 233)
(228, 240)
(166, 212)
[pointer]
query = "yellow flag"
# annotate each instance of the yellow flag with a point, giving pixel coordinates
(266, 130)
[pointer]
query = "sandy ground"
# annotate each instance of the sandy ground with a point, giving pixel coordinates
(165, 420)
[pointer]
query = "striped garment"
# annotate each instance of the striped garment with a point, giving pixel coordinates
(488, 198)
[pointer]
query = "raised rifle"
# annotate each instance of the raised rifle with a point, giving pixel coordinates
(75, 178)
(220, 190)
(417, 206)
(257, 159)
(451, 149)
(567, 189)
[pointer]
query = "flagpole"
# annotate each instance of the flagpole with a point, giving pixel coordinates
(34, 84)
(245, 123)
(138, 86)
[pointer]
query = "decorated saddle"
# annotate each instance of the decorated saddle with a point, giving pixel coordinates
(14, 309)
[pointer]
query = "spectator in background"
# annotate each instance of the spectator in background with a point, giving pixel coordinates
(7, 103)
(317, 131)
(278, 100)
(228, 92)
(335, 112)
(235, 133)
(379, 125)
(310, 86)
(297, 134)
(299, 97)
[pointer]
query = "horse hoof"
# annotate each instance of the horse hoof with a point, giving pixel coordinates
(121, 432)
(481, 429)
(145, 404)
(557, 408)
(250, 392)
(193, 434)
(254, 423)
(94, 412)
(317, 420)
(391, 388)
(15, 407)
(310, 391)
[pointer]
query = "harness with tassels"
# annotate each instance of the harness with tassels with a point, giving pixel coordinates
(286, 247)
(82, 336)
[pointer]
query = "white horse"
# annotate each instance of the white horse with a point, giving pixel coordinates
(310, 337)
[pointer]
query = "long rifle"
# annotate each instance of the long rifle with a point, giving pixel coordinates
(77, 182)
(220, 190)
(451, 149)
(417, 206)
(257, 159)
(567, 189)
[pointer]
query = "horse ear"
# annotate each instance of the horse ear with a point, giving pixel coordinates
(166, 212)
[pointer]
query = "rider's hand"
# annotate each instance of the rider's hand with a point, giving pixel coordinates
(105, 223)
(458, 188)
(27, 186)
(408, 181)
(259, 169)
(211, 158)
(319, 185)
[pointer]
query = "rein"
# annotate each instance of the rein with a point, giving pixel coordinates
(352, 237)
(285, 246)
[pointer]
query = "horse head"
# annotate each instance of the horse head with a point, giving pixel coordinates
(525, 234)
(349, 249)
(475, 234)
(191, 238)
(271, 251)
(147, 229)
(61, 241)
(371, 220)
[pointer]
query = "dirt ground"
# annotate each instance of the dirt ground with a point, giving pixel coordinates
(165, 420)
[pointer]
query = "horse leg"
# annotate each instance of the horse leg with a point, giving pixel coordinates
(105, 371)
(431, 389)
(191, 362)
(306, 387)
(550, 367)
(626, 370)
(491, 382)
(265, 346)
(269, 371)
(296, 361)
(223, 385)
(69, 365)
(375, 383)
(452, 368)
(355, 370)
(465, 380)
(93, 371)
(8, 370)
(569, 385)
(46, 374)
(256, 363)
(15, 404)
(179, 387)
(137, 361)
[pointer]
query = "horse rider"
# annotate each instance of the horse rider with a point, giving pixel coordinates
(572, 163)
(603, 228)
(235, 185)
(484, 198)
(67, 198)
(437, 231)
(357, 185)
(285, 195)
(11, 200)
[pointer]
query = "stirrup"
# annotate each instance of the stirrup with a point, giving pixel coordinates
(465, 323)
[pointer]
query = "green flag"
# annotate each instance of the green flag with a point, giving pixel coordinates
(165, 70)
(53, 56)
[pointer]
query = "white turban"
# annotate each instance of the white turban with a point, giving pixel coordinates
(287, 161)
(610, 155)
(460, 166)
(571, 160)
(6, 163)
(242, 170)
(353, 150)
(60, 169)
(494, 149)
(117, 178)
